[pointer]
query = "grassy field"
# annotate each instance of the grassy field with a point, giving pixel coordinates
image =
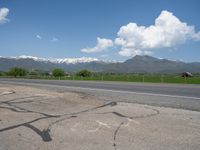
(142, 78)
(128, 78)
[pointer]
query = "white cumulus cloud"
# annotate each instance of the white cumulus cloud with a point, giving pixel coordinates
(102, 44)
(168, 31)
(3, 14)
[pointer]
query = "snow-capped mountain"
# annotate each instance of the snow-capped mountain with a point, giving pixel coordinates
(56, 60)
(139, 64)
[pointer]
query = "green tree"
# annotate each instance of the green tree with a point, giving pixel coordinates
(84, 73)
(58, 72)
(17, 71)
(1, 73)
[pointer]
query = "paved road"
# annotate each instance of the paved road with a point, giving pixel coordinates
(49, 117)
(145, 88)
(165, 95)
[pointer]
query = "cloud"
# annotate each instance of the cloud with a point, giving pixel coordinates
(54, 39)
(104, 56)
(3, 14)
(102, 44)
(168, 31)
(38, 37)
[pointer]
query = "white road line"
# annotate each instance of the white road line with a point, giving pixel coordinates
(107, 90)
(137, 93)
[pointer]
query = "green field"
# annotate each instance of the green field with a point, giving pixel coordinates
(126, 78)
(140, 78)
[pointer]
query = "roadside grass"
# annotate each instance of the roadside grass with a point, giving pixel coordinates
(151, 78)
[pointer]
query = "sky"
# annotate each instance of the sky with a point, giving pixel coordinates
(102, 29)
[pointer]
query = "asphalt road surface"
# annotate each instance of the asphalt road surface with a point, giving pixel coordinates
(75, 115)
(165, 89)
(182, 96)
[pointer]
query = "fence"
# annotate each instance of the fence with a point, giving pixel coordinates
(125, 78)
(138, 78)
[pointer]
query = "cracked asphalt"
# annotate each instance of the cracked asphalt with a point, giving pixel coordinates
(41, 118)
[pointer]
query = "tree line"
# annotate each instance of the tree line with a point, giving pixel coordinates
(57, 72)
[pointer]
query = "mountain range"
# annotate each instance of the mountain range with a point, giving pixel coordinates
(137, 64)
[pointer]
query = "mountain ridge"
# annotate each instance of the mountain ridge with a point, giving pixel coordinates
(139, 64)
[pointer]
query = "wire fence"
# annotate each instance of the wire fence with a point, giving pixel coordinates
(162, 78)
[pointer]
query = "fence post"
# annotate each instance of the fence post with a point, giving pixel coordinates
(162, 78)
(91, 77)
(102, 78)
(142, 78)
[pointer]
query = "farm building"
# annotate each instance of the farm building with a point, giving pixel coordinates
(186, 74)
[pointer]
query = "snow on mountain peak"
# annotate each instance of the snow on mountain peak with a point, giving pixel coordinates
(59, 60)
(74, 60)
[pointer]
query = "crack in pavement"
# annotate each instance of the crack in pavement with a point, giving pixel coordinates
(128, 117)
(90, 109)
(7, 93)
(20, 98)
(136, 117)
(120, 115)
(80, 112)
(44, 134)
(21, 109)
(9, 108)
(21, 102)
(27, 111)
(57, 121)
(115, 135)
(22, 124)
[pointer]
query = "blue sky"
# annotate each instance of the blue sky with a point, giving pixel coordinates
(104, 29)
